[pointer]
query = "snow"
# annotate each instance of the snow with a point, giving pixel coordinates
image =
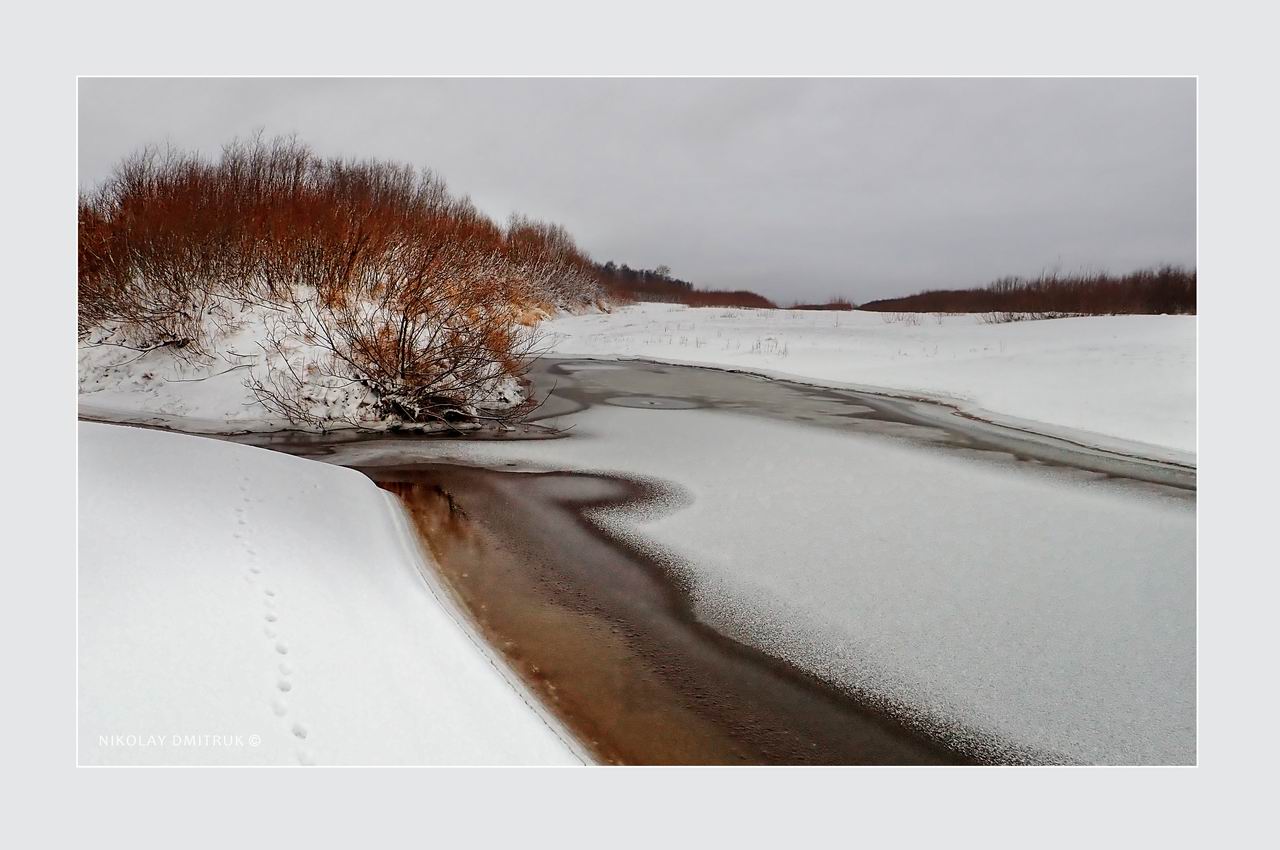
(239, 606)
(1126, 382)
(1023, 610)
(206, 391)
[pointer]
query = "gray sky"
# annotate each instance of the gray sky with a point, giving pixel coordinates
(799, 189)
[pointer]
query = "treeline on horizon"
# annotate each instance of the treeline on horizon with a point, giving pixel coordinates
(1164, 289)
(623, 283)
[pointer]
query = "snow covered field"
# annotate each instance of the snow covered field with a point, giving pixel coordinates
(1030, 609)
(1107, 380)
(239, 606)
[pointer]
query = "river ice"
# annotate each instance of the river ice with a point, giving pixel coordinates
(1099, 379)
(1020, 610)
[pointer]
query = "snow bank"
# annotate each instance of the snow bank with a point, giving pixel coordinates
(208, 392)
(1100, 379)
(239, 606)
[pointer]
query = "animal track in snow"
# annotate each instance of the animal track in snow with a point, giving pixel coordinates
(271, 616)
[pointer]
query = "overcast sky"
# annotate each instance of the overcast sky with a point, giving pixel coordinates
(799, 189)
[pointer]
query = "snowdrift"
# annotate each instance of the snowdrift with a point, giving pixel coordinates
(212, 390)
(240, 606)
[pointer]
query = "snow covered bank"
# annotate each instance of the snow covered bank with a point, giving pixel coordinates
(1106, 380)
(210, 391)
(239, 606)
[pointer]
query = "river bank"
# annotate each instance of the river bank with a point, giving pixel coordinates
(240, 606)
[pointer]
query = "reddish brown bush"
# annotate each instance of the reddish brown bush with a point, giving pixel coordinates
(549, 261)
(411, 290)
(726, 298)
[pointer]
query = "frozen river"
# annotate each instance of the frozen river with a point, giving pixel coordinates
(703, 566)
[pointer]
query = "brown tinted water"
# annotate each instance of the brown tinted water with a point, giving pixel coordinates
(598, 630)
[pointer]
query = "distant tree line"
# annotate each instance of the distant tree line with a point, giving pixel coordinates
(835, 303)
(624, 283)
(1165, 289)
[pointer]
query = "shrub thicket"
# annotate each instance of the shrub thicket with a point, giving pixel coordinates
(410, 291)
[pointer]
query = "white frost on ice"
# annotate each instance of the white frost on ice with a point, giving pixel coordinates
(239, 606)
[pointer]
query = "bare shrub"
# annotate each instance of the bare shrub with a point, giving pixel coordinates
(427, 355)
(141, 263)
(999, 317)
(404, 289)
(550, 262)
